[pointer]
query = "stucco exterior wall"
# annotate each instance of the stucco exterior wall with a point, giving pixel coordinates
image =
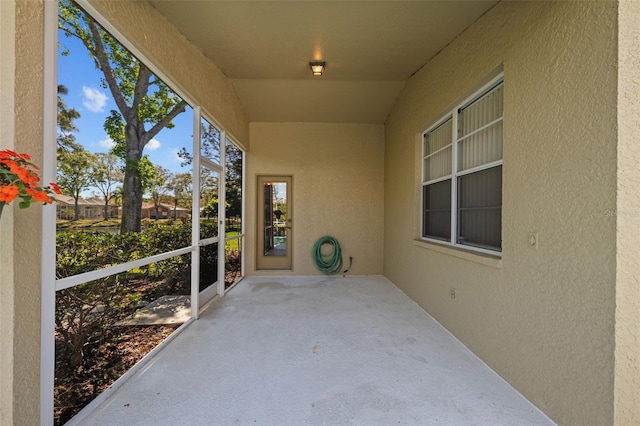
(627, 372)
(337, 174)
(180, 61)
(543, 319)
(20, 246)
(7, 76)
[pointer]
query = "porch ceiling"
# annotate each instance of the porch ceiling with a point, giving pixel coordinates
(371, 49)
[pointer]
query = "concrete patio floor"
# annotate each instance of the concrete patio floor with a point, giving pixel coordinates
(315, 351)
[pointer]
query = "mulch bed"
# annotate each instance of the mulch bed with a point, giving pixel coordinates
(109, 353)
(103, 364)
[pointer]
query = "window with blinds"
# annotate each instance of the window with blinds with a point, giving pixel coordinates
(462, 173)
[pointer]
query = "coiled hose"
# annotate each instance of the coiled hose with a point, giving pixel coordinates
(329, 263)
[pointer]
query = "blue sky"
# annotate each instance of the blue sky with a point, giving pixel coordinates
(78, 73)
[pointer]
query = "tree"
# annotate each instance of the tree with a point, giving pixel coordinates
(74, 174)
(66, 128)
(210, 209)
(181, 185)
(210, 142)
(210, 149)
(233, 180)
(147, 172)
(158, 186)
(145, 104)
(106, 175)
(209, 181)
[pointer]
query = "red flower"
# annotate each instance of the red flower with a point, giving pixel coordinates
(55, 187)
(7, 154)
(39, 195)
(8, 193)
(18, 179)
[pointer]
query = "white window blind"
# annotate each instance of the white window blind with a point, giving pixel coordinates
(462, 173)
(437, 147)
(480, 130)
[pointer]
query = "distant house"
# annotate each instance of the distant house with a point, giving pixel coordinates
(88, 208)
(165, 211)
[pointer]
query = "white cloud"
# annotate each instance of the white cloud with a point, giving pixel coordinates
(152, 145)
(176, 157)
(94, 100)
(107, 143)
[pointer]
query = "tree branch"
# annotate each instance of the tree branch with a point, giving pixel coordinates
(101, 56)
(180, 107)
(142, 84)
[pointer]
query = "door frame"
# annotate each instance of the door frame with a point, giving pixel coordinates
(206, 295)
(283, 263)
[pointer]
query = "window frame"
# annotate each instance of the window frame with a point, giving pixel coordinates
(455, 172)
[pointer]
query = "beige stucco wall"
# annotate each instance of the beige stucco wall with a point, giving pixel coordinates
(187, 67)
(20, 237)
(627, 372)
(543, 319)
(337, 174)
(7, 75)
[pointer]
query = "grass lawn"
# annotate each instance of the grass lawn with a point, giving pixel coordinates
(68, 225)
(233, 244)
(86, 223)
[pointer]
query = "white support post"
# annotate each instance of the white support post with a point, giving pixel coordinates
(195, 217)
(243, 210)
(222, 213)
(48, 256)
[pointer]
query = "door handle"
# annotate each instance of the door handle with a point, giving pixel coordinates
(289, 224)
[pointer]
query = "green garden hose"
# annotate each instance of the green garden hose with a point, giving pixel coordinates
(329, 263)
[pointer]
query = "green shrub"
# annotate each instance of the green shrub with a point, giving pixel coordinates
(86, 309)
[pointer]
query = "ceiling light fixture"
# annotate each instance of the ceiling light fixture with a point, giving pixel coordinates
(317, 67)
